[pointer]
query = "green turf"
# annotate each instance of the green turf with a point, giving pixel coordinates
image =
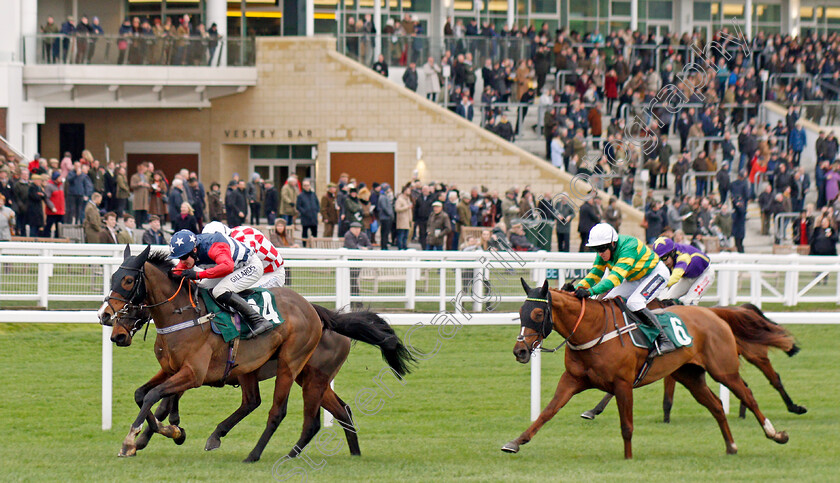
(446, 423)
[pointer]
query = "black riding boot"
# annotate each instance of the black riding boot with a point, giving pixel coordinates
(662, 345)
(256, 322)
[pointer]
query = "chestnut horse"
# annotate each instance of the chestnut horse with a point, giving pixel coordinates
(315, 378)
(616, 364)
(190, 355)
(755, 334)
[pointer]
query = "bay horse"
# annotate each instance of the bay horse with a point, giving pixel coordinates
(605, 361)
(191, 355)
(744, 321)
(315, 378)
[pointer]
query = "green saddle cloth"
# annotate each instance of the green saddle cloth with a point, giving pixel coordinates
(229, 327)
(673, 326)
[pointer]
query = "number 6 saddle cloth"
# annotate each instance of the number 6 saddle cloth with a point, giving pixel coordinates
(643, 335)
(228, 323)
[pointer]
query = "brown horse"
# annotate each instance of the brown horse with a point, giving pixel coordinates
(616, 363)
(744, 321)
(322, 368)
(190, 355)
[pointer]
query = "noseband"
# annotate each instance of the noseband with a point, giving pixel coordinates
(547, 326)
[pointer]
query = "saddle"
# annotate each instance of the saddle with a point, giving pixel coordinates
(229, 323)
(644, 335)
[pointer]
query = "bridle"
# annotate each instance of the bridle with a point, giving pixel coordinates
(547, 326)
(133, 307)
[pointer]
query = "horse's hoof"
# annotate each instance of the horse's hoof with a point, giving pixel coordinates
(127, 453)
(512, 447)
(588, 415)
(781, 437)
(251, 459)
(666, 420)
(796, 409)
(183, 437)
(732, 449)
(213, 442)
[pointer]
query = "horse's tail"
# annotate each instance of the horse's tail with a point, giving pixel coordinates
(370, 328)
(750, 325)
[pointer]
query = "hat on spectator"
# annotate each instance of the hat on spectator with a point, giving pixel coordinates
(331, 185)
(35, 177)
(56, 175)
(437, 203)
(355, 224)
(385, 186)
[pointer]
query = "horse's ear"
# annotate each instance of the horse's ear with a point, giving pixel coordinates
(127, 252)
(144, 255)
(525, 285)
(544, 289)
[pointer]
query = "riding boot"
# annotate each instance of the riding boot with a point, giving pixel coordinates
(256, 322)
(662, 345)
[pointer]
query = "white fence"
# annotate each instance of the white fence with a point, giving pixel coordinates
(61, 273)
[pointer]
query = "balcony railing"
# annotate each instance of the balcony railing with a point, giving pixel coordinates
(47, 49)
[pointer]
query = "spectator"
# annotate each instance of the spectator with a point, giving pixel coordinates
(380, 66)
(797, 140)
(590, 215)
(354, 239)
(465, 108)
(195, 192)
(564, 214)
(97, 177)
(256, 197)
(740, 196)
(504, 129)
(722, 178)
(93, 221)
(288, 198)
(672, 213)
(308, 208)
(177, 197)
(54, 199)
(110, 182)
(159, 194)
(437, 227)
(236, 205)
(403, 207)
(385, 210)
(154, 235)
(803, 229)
(185, 219)
(655, 218)
(518, 241)
(612, 214)
(799, 188)
(510, 208)
(422, 211)
(215, 206)
(122, 193)
(125, 235)
(7, 188)
(140, 189)
(108, 234)
(329, 210)
(409, 77)
(74, 188)
(765, 202)
(7, 220)
(271, 203)
(722, 225)
(824, 238)
(36, 219)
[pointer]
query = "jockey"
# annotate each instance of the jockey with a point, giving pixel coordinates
(229, 268)
(690, 274)
(635, 274)
(274, 274)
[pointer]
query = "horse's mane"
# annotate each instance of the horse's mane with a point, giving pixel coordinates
(160, 260)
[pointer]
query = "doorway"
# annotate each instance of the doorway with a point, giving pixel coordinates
(71, 139)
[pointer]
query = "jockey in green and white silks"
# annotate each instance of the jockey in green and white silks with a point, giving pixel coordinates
(635, 273)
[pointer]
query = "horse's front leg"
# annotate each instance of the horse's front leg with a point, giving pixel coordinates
(624, 397)
(568, 386)
(182, 380)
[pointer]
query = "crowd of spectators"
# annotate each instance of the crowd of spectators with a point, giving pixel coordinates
(140, 41)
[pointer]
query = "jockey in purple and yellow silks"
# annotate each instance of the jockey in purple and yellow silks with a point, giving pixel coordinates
(636, 274)
(690, 273)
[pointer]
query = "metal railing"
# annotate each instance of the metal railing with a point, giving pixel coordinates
(138, 50)
(781, 223)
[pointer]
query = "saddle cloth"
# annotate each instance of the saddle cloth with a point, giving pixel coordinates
(229, 324)
(644, 335)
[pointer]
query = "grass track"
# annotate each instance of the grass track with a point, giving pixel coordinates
(446, 423)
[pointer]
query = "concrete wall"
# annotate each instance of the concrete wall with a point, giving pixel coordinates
(307, 93)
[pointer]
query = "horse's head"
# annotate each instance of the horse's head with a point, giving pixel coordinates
(123, 308)
(535, 321)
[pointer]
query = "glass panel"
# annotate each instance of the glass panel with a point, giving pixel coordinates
(733, 10)
(621, 9)
(268, 151)
(661, 10)
(768, 13)
(702, 11)
(543, 6)
(581, 26)
(417, 5)
(539, 22)
(325, 26)
(832, 15)
(582, 9)
(521, 8)
(806, 13)
(464, 5)
(619, 26)
(301, 151)
(263, 171)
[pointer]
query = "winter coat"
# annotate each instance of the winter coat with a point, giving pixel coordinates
(824, 241)
(93, 223)
(288, 198)
(54, 198)
(329, 212)
(438, 221)
(176, 197)
(271, 202)
(797, 139)
(385, 207)
(141, 193)
(308, 207)
(404, 209)
(35, 214)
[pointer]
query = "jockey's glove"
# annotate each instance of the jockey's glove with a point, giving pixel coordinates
(582, 293)
(568, 287)
(189, 274)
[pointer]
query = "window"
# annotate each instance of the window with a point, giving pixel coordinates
(661, 10)
(543, 6)
(583, 9)
(621, 9)
(702, 11)
(768, 13)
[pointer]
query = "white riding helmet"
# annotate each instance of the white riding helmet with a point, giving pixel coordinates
(216, 227)
(602, 234)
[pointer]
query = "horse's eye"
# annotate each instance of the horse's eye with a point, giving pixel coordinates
(129, 280)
